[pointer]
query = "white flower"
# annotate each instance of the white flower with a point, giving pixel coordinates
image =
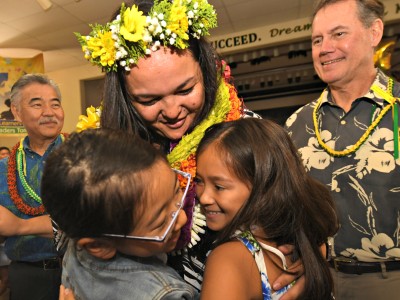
(173, 35)
(123, 63)
(87, 38)
(168, 31)
(190, 14)
(147, 37)
(172, 41)
(131, 61)
(163, 24)
(161, 16)
(123, 51)
(196, 5)
(201, 25)
(380, 246)
(154, 21)
(313, 156)
(157, 43)
(148, 51)
(127, 69)
(376, 154)
(151, 28)
(158, 29)
(292, 118)
(162, 36)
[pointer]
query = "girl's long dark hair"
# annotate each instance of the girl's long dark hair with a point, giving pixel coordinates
(289, 205)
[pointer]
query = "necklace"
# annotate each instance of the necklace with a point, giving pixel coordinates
(392, 103)
(227, 107)
(17, 165)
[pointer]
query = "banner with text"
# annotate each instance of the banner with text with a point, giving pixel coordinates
(11, 69)
(281, 33)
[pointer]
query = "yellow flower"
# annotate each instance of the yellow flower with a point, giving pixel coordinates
(92, 120)
(102, 46)
(133, 24)
(178, 21)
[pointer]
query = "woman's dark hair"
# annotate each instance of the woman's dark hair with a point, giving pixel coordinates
(290, 206)
(95, 180)
(118, 111)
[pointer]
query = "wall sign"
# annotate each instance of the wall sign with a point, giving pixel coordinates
(280, 33)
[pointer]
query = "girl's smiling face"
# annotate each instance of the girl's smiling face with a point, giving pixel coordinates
(220, 192)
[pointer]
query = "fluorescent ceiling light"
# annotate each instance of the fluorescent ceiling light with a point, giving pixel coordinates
(45, 4)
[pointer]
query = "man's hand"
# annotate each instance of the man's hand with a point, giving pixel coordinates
(11, 225)
(284, 279)
(297, 289)
(66, 294)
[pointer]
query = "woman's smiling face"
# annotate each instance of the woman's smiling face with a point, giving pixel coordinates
(168, 91)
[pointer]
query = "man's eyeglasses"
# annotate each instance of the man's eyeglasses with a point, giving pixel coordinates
(175, 215)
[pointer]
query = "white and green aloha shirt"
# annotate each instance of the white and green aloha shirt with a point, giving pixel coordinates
(365, 184)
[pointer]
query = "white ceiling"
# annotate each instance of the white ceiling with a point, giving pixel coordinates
(24, 24)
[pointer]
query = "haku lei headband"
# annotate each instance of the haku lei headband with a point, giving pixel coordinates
(133, 35)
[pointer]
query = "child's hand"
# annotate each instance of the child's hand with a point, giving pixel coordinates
(66, 294)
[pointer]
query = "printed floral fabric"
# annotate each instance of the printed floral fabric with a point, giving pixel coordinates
(365, 184)
(253, 246)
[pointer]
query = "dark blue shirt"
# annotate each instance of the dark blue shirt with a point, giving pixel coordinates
(27, 248)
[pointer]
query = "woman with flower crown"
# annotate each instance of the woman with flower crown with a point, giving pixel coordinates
(166, 83)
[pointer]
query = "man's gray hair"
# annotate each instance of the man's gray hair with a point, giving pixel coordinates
(368, 10)
(28, 79)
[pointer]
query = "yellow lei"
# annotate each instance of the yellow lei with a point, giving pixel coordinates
(384, 94)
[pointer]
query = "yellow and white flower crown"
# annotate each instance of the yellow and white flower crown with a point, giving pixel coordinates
(133, 35)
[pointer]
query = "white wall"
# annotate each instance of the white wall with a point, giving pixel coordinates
(69, 81)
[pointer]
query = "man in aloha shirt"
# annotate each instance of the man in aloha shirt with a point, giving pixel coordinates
(363, 175)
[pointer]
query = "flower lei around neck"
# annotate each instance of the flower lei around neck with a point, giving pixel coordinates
(393, 103)
(133, 35)
(227, 107)
(17, 166)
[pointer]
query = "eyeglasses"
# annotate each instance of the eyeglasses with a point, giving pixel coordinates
(175, 215)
